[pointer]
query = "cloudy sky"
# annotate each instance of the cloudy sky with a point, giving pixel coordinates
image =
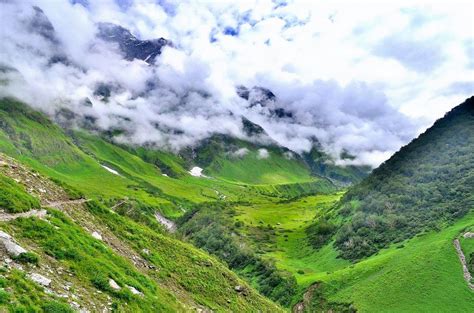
(365, 78)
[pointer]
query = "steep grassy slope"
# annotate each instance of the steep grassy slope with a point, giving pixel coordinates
(426, 185)
(423, 275)
(170, 275)
(92, 263)
(33, 139)
(14, 198)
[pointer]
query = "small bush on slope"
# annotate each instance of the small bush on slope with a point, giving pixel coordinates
(13, 197)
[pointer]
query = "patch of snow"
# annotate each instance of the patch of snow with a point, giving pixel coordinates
(146, 59)
(40, 279)
(169, 225)
(196, 172)
(111, 170)
(165, 175)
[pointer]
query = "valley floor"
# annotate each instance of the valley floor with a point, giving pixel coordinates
(419, 275)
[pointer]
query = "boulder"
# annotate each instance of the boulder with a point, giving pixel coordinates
(96, 235)
(13, 249)
(468, 235)
(40, 279)
(134, 290)
(113, 284)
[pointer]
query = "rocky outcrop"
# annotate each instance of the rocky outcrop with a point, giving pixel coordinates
(168, 224)
(468, 235)
(134, 291)
(12, 248)
(264, 98)
(130, 46)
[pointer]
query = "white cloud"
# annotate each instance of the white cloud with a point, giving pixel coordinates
(239, 153)
(263, 154)
(361, 77)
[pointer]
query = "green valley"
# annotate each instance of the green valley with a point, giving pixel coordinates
(250, 234)
(236, 156)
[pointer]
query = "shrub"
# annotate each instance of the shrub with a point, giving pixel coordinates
(27, 257)
(208, 228)
(4, 297)
(101, 282)
(319, 233)
(56, 307)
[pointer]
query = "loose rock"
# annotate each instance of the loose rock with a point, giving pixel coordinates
(134, 291)
(13, 249)
(40, 279)
(96, 235)
(113, 284)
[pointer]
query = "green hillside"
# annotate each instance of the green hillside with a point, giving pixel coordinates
(89, 165)
(244, 162)
(425, 186)
(411, 276)
(153, 271)
(14, 197)
(235, 160)
(321, 164)
(414, 276)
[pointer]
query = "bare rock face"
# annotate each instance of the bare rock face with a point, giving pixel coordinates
(13, 249)
(40, 279)
(132, 47)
